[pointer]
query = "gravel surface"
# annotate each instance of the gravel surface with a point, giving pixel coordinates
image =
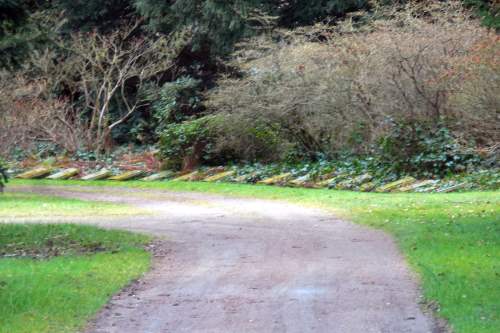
(248, 265)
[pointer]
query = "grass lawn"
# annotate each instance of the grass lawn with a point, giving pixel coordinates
(54, 278)
(19, 206)
(451, 240)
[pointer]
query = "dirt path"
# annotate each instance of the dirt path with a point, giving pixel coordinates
(245, 265)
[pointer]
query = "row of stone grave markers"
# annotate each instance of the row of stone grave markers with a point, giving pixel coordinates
(362, 183)
(103, 174)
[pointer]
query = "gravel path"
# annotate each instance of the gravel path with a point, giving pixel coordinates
(247, 265)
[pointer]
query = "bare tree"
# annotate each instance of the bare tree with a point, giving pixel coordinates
(74, 97)
(116, 67)
(28, 117)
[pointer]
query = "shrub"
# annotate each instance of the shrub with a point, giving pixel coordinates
(476, 85)
(327, 91)
(186, 145)
(247, 139)
(219, 139)
(425, 151)
(175, 101)
(3, 175)
(488, 10)
(28, 118)
(90, 86)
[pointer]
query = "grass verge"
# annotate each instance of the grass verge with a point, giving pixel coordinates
(54, 278)
(28, 206)
(452, 240)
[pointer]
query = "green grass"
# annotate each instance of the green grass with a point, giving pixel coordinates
(15, 206)
(54, 278)
(451, 240)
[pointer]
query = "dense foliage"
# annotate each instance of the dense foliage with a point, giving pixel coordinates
(425, 151)
(3, 175)
(397, 91)
(21, 30)
(489, 10)
(215, 81)
(92, 14)
(187, 144)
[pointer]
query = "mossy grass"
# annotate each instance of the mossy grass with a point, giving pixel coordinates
(452, 240)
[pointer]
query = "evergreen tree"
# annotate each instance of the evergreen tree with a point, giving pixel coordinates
(95, 14)
(18, 34)
(218, 23)
(221, 23)
(297, 12)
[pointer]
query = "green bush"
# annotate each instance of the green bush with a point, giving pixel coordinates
(3, 175)
(247, 139)
(175, 101)
(218, 139)
(192, 137)
(425, 150)
(488, 10)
